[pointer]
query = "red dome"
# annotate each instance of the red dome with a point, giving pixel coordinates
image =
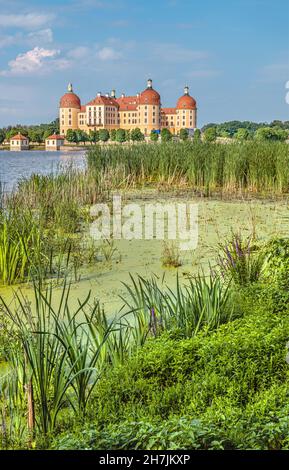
(186, 102)
(70, 100)
(149, 96)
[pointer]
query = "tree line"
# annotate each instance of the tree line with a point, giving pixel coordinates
(35, 133)
(238, 130)
(119, 135)
(245, 130)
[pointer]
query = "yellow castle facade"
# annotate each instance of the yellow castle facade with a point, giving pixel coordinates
(143, 111)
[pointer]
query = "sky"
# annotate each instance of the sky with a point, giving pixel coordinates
(233, 54)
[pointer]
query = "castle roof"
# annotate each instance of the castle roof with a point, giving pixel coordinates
(70, 100)
(186, 102)
(103, 100)
(128, 103)
(149, 96)
(169, 110)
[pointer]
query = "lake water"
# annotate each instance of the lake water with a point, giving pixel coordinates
(17, 165)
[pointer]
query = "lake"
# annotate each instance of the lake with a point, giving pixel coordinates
(17, 165)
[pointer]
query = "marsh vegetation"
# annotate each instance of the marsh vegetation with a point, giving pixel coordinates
(194, 363)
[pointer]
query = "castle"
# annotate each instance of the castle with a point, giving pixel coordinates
(143, 110)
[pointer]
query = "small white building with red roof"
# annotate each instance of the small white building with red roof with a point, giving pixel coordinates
(54, 142)
(19, 142)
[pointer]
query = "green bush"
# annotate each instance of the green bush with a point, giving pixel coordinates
(228, 390)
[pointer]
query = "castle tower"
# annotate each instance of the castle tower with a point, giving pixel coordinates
(69, 108)
(186, 111)
(149, 109)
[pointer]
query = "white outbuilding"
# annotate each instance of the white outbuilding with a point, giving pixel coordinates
(19, 142)
(54, 142)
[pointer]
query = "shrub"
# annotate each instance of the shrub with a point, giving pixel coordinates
(154, 136)
(241, 261)
(136, 135)
(166, 135)
(184, 134)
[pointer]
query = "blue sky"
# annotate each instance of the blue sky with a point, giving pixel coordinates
(233, 54)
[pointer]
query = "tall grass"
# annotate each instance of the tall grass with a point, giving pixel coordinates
(42, 225)
(253, 167)
(241, 261)
(55, 354)
(204, 303)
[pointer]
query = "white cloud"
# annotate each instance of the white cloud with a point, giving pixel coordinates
(10, 40)
(174, 53)
(120, 24)
(108, 53)
(79, 52)
(34, 38)
(35, 61)
(203, 73)
(25, 21)
(43, 36)
(275, 73)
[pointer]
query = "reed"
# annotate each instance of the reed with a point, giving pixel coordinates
(204, 303)
(247, 167)
(55, 353)
(241, 260)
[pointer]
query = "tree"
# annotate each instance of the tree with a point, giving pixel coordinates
(81, 136)
(210, 134)
(71, 136)
(184, 134)
(103, 135)
(113, 135)
(16, 130)
(93, 136)
(47, 133)
(154, 136)
(225, 134)
(242, 134)
(271, 133)
(36, 135)
(166, 135)
(197, 135)
(136, 135)
(2, 136)
(120, 135)
(127, 135)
